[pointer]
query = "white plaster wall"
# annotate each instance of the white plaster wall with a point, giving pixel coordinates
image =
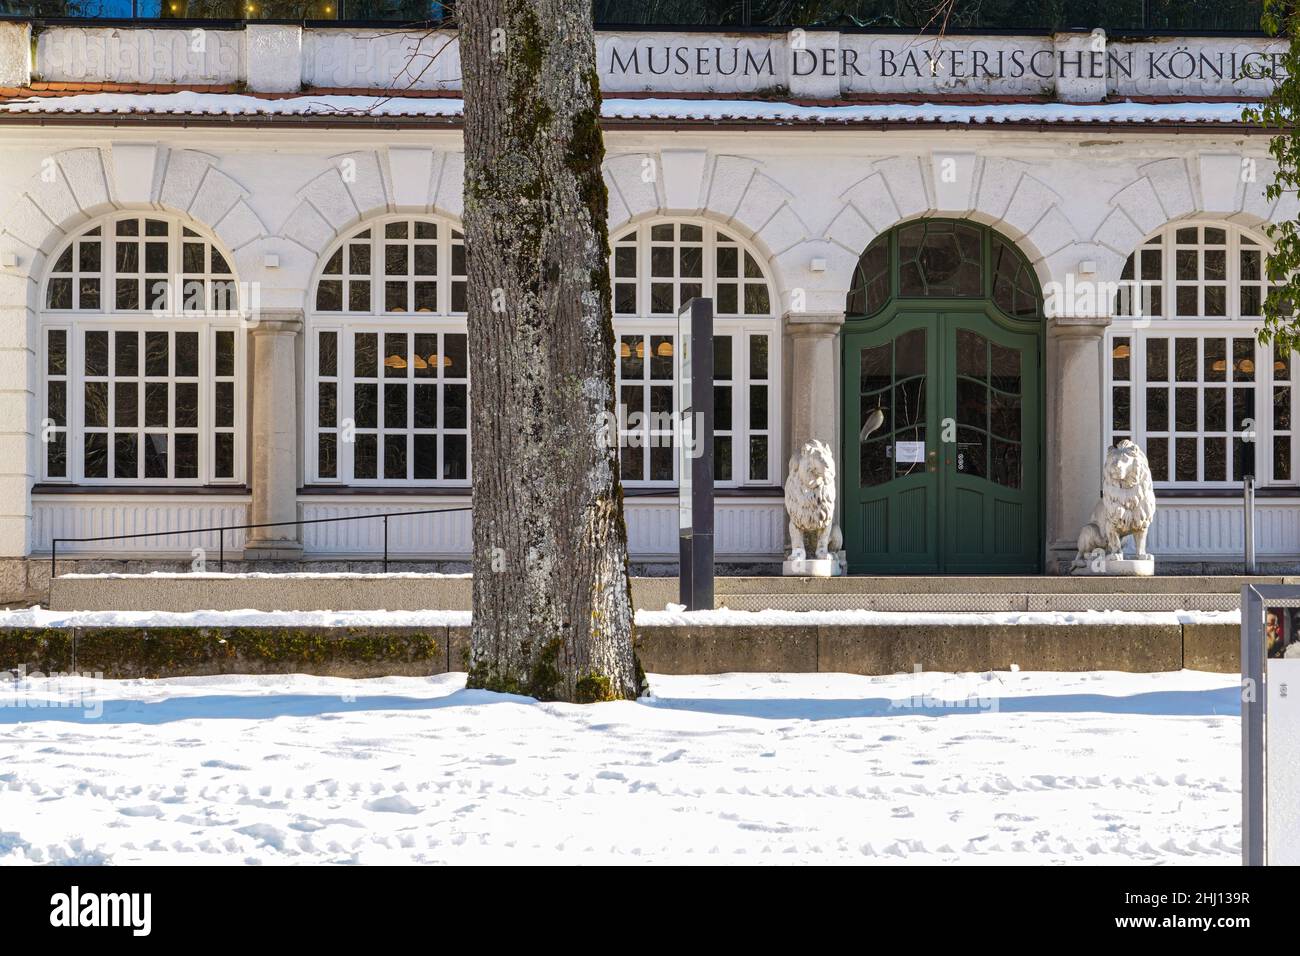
(796, 195)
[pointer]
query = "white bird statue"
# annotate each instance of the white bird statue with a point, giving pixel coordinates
(874, 421)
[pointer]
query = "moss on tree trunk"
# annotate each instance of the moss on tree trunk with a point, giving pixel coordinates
(552, 605)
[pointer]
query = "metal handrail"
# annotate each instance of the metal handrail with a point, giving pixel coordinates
(222, 529)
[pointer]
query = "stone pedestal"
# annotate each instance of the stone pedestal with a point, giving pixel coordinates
(1119, 567)
(1076, 435)
(810, 568)
(275, 438)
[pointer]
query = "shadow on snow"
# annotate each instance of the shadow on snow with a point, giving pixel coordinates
(1223, 702)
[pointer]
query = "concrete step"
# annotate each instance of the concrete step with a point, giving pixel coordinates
(411, 592)
(1113, 601)
(994, 584)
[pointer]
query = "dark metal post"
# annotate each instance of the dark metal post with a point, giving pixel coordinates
(1253, 822)
(695, 454)
(1248, 504)
(385, 544)
(221, 552)
(54, 555)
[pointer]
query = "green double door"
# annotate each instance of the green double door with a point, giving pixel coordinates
(950, 482)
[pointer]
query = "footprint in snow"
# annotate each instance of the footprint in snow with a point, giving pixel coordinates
(223, 765)
(394, 804)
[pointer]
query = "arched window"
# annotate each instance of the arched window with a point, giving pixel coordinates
(1187, 379)
(388, 349)
(142, 356)
(657, 266)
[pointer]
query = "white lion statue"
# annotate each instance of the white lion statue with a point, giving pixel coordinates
(1127, 506)
(810, 501)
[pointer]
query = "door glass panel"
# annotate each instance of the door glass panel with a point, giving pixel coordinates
(972, 398)
(972, 403)
(909, 354)
(909, 425)
(1004, 463)
(972, 354)
(1006, 368)
(892, 379)
(876, 392)
(1004, 415)
(988, 409)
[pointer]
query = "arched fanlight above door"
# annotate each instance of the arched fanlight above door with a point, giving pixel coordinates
(944, 259)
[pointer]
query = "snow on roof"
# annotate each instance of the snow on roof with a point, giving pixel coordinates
(188, 103)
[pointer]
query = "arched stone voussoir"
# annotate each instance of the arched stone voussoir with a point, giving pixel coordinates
(635, 177)
(84, 169)
(1054, 231)
(183, 177)
(217, 195)
(850, 231)
(871, 199)
(362, 176)
(1139, 202)
(998, 179)
(763, 200)
(239, 227)
(449, 195)
(53, 195)
(906, 180)
(1031, 200)
(729, 178)
(66, 190)
(784, 230)
(1119, 233)
(1171, 181)
(328, 194)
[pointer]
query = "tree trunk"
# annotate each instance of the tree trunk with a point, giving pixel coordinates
(552, 605)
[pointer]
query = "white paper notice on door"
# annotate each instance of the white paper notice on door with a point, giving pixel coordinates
(910, 451)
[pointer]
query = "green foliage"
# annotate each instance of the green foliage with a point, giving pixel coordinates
(1279, 113)
(594, 689)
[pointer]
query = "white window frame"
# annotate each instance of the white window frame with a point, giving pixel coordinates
(741, 327)
(76, 322)
(347, 323)
(1139, 329)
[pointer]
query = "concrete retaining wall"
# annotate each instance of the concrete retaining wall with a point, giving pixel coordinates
(136, 652)
(379, 651)
(287, 592)
(894, 649)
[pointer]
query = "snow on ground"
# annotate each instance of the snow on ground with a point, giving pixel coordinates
(750, 768)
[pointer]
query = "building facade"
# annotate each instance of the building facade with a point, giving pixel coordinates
(232, 291)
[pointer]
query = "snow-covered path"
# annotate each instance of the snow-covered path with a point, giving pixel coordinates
(1033, 768)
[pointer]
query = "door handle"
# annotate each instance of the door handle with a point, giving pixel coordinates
(932, 463)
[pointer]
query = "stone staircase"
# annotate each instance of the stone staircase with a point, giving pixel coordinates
(397, 592)
(978, 639)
